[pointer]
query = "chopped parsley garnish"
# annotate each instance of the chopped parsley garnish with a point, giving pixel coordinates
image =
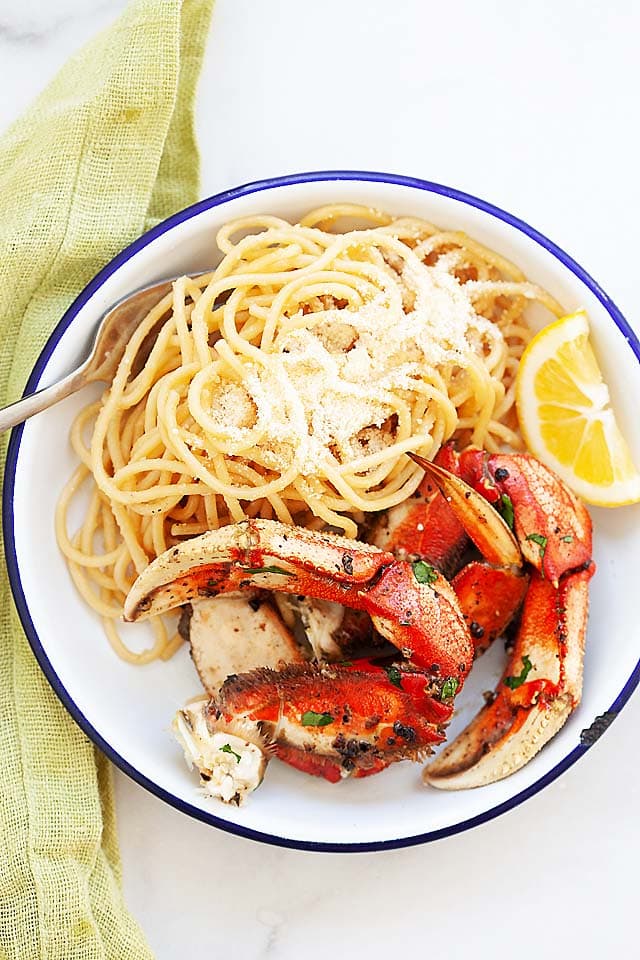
(274, 569)
(395, 677)
(514, 682)
(505, 507)
(227, 749)
(540, 540)
(424, 572)
(312, 719)
(449, 688)
(568, 538)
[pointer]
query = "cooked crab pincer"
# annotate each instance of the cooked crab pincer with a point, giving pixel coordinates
(542, 681)
(341, 719)
(329, 720)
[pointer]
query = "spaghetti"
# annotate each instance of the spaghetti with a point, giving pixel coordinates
(289, 383)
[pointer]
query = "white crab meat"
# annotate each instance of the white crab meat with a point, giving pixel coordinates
(234, 635)
(320, 620)
(231, 765)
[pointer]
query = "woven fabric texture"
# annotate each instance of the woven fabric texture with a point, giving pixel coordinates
(106, 151)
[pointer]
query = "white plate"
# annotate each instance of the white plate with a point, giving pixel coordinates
(126, 710)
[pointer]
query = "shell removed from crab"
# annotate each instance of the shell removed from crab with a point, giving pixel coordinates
(540, 688)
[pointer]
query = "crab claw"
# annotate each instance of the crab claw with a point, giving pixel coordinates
(412, 606)
(540, 687)
(552, 526)
(482, 523)
(254, 554)
(428, 527)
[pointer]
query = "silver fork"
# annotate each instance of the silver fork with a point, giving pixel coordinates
(112, 335)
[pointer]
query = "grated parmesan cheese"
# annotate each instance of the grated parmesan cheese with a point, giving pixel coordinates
(328, 389)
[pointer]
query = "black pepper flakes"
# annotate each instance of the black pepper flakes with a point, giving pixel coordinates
(404, 731)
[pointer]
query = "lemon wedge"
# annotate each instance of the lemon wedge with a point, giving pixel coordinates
(566, 418)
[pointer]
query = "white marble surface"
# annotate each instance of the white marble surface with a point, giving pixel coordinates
(532, 105)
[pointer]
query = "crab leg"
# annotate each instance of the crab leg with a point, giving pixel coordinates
(543, 679)
(331, 721)
(354, 717)
(540, 687)
(489, 599)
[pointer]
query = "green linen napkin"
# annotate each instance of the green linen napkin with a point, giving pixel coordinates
(107, 150)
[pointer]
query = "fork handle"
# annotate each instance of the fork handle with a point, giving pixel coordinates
(34, 403)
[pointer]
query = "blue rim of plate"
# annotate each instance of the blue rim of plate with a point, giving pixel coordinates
(10, 476)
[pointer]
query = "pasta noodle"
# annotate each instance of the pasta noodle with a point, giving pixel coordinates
(289, 383)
